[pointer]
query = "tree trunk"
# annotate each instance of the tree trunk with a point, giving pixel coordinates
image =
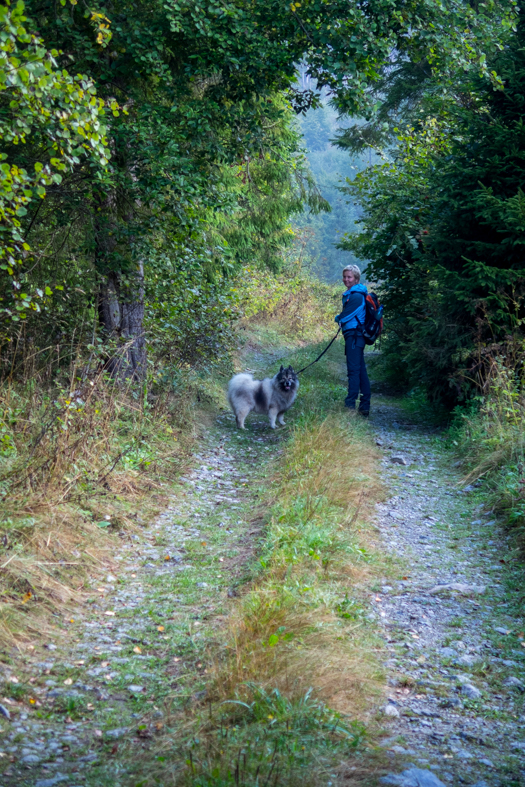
(131, 303)
(120, 297)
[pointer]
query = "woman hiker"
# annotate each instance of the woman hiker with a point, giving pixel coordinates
(351, 321)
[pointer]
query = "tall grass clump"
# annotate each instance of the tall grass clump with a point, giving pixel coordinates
(302, 624)
(489, 434)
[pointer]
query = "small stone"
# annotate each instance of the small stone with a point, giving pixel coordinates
(487, 762)
(467, 660)
(111, 578)
(514, 683)
(501, 630)
(50, 646)
(390, 710)
(118, 732)
(448, 653)
(202, 584)
(56, 779)
(135, 689)
(413, 777)
(459, 587)
(5, 712)
(30, 759)
(399, 460)
(470, 691)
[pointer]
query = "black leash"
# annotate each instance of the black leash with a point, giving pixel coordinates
(320, 356)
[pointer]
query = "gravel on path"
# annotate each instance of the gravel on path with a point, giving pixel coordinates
(453, 624)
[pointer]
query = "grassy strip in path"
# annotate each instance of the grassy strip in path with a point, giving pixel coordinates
(291, 691)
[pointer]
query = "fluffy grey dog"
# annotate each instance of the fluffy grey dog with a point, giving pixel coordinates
(271, 396)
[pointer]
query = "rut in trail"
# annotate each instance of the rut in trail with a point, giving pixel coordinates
(453, 624)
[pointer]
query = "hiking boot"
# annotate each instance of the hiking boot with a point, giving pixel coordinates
(364, 413)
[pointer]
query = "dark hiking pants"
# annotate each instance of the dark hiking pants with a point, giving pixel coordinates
(357, 374)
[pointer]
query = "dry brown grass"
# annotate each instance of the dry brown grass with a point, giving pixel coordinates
(317, 556)
(77, 464)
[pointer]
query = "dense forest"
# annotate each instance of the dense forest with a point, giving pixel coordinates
(150, 151)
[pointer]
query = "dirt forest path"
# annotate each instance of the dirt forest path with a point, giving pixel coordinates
(453, 624)
(109, 686)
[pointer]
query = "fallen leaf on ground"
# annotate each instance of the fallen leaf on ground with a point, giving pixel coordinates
(68, 682)
(98, 733)
(26, 597)
(160, 628)
(137, 650)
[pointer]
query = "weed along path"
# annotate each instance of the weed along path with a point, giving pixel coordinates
(311, 609)
(453, 622)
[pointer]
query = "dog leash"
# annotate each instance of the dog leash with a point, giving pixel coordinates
(320, 356)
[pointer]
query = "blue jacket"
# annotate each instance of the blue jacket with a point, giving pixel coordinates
(354, 309)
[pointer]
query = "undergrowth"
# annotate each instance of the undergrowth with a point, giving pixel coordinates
(292, 305)
(489, 438)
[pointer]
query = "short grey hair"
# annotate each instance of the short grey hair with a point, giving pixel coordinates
(353, 269)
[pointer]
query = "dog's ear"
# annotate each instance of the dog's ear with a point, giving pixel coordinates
(281, 369)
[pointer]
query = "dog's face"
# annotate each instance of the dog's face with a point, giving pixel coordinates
(287, 379)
